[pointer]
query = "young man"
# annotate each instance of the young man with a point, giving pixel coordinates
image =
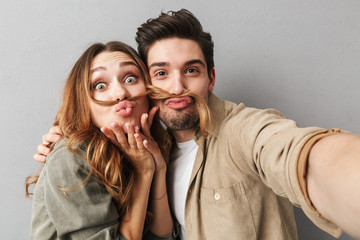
(239, 179)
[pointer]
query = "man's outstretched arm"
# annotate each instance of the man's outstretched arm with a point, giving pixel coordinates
(333, 180)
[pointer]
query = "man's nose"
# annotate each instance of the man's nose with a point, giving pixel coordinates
(177, 84)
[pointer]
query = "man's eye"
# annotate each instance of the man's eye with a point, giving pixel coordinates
(130, 79)
(100, 86)
(192, 70)
(161, 73)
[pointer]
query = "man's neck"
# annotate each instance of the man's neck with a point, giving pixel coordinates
(183, 135)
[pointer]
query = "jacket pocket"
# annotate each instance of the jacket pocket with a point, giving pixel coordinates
(226, 213)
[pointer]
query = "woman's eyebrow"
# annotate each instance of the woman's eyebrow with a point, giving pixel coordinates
(122, 64)
(131, 63)
(97, 69)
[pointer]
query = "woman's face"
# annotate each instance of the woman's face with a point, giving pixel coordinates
(115, 76)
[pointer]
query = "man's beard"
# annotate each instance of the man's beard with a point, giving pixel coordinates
(179, 119)
(195, 115)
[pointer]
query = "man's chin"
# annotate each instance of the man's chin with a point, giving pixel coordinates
(180, 120)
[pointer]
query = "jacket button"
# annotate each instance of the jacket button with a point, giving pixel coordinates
(217, 196)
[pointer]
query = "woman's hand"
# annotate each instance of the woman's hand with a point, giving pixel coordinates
(132, 145)
(150, 144)
(138, 143)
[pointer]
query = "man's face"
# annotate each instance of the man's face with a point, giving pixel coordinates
(176, 65)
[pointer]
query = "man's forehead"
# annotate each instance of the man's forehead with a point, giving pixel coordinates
(174, 50)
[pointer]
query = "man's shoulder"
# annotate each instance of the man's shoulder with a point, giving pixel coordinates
(218, 104)
(239, 112)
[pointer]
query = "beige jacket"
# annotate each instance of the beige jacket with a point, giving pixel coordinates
(246, 174)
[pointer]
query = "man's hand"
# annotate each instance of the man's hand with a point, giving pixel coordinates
(53, 136)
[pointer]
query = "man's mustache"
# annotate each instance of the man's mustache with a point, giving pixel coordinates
(156, 93)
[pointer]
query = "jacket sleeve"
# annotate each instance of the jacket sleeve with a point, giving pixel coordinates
(273, 149)
(78, 209)
(173, 235)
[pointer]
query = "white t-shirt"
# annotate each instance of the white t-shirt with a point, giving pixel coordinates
(182, 160)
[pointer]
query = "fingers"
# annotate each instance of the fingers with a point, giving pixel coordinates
(43, 149)
(39, 158)
(54, 135)
(156, 153)
(55, 130)
(139, 142)
(130, 134)
(152, 115)
(133, 141)
(119, 135)
(146, 121)
(110, 134)
(152, 147)
(149, 147)
(50, 138)
(144, 124)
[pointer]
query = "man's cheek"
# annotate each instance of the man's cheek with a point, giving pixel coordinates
(156, 83)
(159, 104)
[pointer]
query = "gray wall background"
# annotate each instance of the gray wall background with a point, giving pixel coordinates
(301, 57)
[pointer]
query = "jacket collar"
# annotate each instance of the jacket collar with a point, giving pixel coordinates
(217, 111)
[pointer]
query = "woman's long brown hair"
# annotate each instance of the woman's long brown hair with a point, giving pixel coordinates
(107, 163)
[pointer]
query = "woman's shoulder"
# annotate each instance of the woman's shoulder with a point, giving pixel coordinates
(64, 162)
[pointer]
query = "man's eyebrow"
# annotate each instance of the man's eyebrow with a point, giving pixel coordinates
(162, 64)
(159, 64)
(194, 62)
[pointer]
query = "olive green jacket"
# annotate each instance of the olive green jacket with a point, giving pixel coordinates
(86, 212)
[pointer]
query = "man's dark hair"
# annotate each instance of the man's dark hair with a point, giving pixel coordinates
(181, 24)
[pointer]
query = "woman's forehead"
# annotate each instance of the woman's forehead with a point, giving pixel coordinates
(106, 57)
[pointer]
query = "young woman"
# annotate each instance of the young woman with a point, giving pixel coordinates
(91, 188)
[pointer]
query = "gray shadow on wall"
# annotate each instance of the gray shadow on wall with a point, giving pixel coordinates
(307, 230)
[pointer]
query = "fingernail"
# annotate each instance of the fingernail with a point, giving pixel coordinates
(113, 125)
(128, 125)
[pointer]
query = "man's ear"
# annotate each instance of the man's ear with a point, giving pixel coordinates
(212, 80)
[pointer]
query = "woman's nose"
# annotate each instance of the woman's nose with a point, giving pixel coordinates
(119, 92)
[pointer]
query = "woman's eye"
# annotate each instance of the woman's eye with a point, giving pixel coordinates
(130, 79)
(100, 86)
